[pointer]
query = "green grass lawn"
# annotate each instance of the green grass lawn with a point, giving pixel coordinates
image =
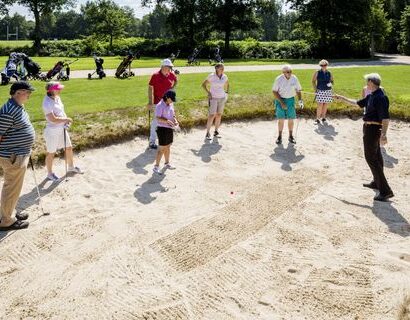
(110, 109)
(15, 43)
(87, 63)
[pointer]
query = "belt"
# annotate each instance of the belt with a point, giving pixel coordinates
(372, 122)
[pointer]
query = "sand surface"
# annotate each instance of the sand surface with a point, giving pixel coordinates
(242, 229)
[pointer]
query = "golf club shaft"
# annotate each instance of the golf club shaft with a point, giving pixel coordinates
(37, 188)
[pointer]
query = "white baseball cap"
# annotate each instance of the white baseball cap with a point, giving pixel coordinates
(166, 63)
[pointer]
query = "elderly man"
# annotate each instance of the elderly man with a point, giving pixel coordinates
(160, 82)
(376, 122)
(285, 87)
(16, 140)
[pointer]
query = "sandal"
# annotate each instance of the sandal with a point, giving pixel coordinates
(16, 226)
(21, 216)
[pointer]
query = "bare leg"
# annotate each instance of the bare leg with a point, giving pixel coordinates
(159, 155)
(281, 125)
(218, 119)
(324, 110)
(319, 111)
(290, 126)
(49, 162)
(211, 118)
(167, 152)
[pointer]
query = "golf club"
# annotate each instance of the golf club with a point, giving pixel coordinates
(65, 153)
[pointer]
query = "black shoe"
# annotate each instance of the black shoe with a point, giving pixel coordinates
(324, 120)
(21, 216)
(317, 121)
(292, 140)
(216, 134)
(153, 146)
(383, 198)
(208, 136)
(371, 185)
(279, 140)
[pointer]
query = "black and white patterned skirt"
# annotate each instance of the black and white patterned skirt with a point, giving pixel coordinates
(324, 96)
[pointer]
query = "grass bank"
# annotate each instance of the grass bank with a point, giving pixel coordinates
(111, 110)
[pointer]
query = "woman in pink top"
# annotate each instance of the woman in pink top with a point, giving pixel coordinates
(167, 122)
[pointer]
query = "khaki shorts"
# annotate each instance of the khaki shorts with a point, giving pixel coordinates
(216, 105)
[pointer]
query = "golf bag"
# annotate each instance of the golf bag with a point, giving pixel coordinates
(61, 69)
(14, 68)
(124, 69)
(173, 56)
(192, 59)
(217, 58)
(33, 70)
(99, 69)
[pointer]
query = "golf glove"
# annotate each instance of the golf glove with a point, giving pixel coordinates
(301, 105)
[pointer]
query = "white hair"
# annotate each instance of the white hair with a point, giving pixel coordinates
(374, 77)
(287, 67)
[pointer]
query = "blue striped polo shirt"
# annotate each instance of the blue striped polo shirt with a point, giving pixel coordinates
(16, 130)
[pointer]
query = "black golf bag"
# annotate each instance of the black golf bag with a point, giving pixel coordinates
(61, 69)
(217, 58)
(33, 70)
(99, 69)
(124, 69)
(192, 58)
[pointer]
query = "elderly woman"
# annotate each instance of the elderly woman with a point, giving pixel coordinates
(322, 82)
(57, 122)
(216, 86)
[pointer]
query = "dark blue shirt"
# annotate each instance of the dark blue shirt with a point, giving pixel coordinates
(376, 106)
(323, 78)
(16, 130)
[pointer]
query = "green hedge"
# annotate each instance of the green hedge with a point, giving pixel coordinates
(245, 49)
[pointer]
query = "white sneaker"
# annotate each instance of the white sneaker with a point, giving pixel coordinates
(169, 166)
(75, 170)
(53, 177)
(156, 170)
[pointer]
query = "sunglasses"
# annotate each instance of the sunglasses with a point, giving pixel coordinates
(287, 71)
(323, 65)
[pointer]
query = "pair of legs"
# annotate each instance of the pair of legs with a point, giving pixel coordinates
(50, 159)
(14, 171)
(153, 133)
(217, 117)
(321, 110)
(288, 113)
(163, 151)
(374, 158)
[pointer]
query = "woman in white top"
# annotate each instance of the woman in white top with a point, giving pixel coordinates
(57, 122)
(216, 86)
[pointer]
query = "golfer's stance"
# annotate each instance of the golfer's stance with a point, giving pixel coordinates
(285, 87)
(376, 122)
(167, 122)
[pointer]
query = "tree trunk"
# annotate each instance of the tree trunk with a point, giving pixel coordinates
(111, 37)
(37, 31)
(227, 38)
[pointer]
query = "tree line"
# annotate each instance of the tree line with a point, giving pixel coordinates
(359, 26)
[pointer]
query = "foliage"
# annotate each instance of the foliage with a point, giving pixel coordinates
(405, 31)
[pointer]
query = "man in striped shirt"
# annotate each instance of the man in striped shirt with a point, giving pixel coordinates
(16, 140)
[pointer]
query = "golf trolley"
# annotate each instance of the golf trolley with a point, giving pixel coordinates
(99, 69)
(192, 58)
(61, 69)
(174, 56)
(124, 69)
(217, 58)
(21, 67)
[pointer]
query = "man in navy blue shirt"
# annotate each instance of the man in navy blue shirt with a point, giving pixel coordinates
(16, 140)
(376, 121)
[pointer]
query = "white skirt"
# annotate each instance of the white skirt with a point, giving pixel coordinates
(55, 139)
(324, 96)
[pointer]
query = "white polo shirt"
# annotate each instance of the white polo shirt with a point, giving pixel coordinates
(55, 106)
(286, 88)
(217, 85)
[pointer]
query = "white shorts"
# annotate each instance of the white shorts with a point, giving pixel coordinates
(55, 139)
(216, 105)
